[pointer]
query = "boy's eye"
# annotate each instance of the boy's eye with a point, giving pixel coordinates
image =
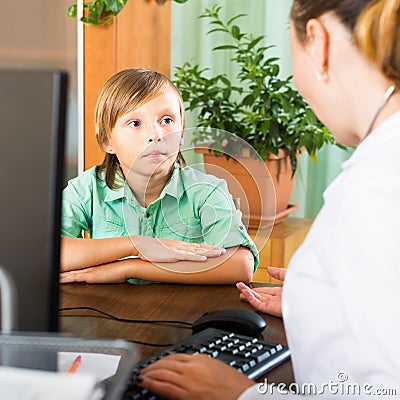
(167, 121)
(134, 124)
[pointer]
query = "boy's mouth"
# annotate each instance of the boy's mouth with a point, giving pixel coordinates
(155, 154)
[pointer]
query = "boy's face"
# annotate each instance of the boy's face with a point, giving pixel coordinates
(147, 139)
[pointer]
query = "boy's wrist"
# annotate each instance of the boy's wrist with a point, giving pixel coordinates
(132, 248)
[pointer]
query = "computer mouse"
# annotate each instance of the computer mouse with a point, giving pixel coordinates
(236, 320)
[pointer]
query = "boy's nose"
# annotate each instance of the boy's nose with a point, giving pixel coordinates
(156, 136)
(154, 139)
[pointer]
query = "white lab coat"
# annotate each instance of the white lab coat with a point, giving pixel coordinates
(341, 297)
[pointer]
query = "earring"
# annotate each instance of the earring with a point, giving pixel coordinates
(322, 76)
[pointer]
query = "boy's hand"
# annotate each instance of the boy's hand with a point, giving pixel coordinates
(165, 250)
(108, 273)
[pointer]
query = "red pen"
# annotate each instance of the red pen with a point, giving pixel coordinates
(75, 365)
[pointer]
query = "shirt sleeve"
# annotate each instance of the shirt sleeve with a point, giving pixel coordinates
(74, 216)
(222, 224)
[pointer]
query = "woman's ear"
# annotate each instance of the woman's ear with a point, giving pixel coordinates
(318, 42)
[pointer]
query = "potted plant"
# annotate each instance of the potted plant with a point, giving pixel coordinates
(259, 107)
(99, 12)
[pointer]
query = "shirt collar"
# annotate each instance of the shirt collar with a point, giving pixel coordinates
(174, 187)
(119, 192)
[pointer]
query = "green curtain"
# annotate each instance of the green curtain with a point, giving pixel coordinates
(190, 42)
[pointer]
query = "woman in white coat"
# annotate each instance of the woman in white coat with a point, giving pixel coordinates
(341, 297)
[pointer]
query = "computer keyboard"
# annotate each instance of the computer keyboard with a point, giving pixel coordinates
(249, 355)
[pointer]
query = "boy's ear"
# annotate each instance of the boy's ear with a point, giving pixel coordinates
(107, 147)
(318, 39)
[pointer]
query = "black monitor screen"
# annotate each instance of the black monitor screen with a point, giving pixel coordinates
(32, 134)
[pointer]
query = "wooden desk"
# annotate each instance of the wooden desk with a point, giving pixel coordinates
(277, 247)
(155, 302)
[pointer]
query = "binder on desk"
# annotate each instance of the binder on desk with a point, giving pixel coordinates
(50, 357)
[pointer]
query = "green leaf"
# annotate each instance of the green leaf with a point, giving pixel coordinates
(271, 60)
(72, 11)
(93, 17)
(310, 117)
(98, 8)
(225, 80)
(235, 18)
(314, 157)
(217, 23)
(235, 30)
(254, 42)
(248, 100)
(216, 30)
(265, 125)
(225, 47)
(115, 5)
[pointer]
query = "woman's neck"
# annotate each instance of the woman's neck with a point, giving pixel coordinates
(391, 107)
(358, 87)
(371, 104)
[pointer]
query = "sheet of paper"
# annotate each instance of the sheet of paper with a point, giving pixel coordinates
(28, 384)
(102, 366)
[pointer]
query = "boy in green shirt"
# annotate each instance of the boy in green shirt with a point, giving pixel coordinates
(147, 216)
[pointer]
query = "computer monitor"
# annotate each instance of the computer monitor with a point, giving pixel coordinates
(32, 134)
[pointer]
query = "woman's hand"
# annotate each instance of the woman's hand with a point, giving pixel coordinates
(165, 250)
(265, 299)
(183, 376)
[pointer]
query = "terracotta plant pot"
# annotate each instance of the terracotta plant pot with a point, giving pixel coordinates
(263, 189)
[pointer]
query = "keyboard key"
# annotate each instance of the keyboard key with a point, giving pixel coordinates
(260, 357)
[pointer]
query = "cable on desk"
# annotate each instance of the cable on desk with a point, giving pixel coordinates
(188, 325)
(151, 344)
